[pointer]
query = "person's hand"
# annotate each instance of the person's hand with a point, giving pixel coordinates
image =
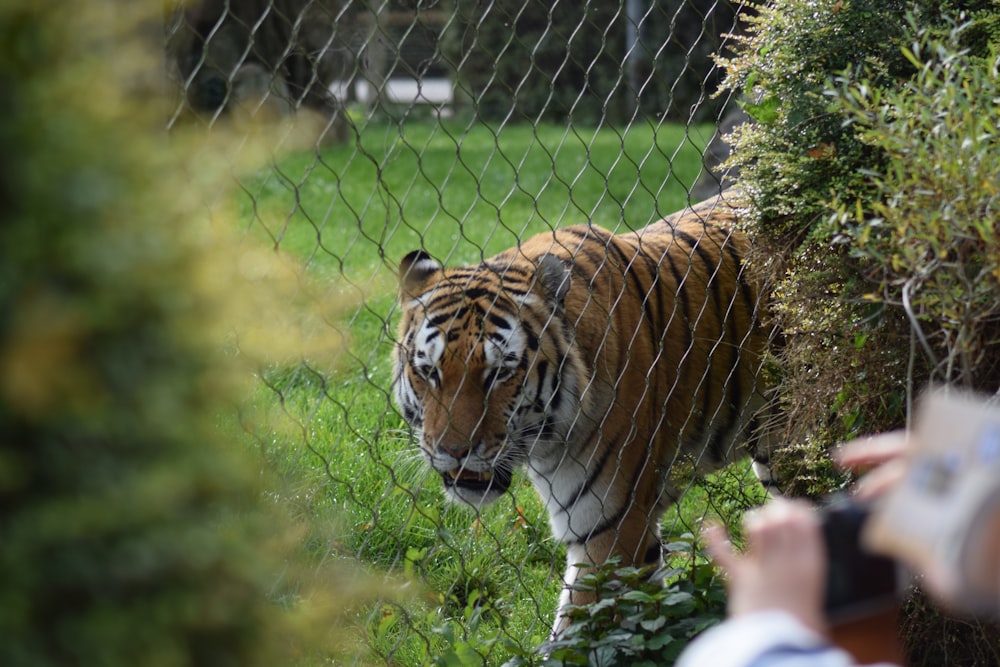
(784, 566)
(881, 460)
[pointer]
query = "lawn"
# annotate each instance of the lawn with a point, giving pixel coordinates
(481, 586)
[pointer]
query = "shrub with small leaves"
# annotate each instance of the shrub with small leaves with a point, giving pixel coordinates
(930, 237)
(134, 530)
(807, 170)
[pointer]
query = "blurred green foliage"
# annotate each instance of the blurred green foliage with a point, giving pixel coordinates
(532, 60)
(133, 531)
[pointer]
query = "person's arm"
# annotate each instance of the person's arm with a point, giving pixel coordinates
(763, 639)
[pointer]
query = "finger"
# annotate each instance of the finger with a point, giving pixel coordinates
(867, 452)
(780, 525)
(880, 481)
(778, 510)
(719, 547)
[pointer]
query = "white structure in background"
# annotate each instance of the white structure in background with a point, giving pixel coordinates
(398, 90)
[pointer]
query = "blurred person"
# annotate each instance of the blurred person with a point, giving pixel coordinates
(776, 587)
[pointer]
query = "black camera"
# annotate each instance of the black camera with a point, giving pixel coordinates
(858, 582)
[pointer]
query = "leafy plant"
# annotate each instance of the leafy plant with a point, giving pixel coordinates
(641, 619)
(796, 151)
(808, 172)
(133, 531)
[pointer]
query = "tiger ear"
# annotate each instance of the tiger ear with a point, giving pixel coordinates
(552, 274)
(414, 270)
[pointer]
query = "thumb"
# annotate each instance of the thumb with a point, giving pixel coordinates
(718, 545)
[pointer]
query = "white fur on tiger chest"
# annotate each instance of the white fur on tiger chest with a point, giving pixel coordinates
(558, 471)
(571, 517)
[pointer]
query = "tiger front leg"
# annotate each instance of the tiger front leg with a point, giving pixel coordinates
(637, 545)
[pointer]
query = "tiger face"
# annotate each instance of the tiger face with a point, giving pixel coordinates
(479, 373)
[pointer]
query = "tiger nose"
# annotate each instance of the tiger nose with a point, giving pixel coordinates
(458, 451)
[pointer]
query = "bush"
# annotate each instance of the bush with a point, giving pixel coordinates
(797, 151)
(929, 234)
(805, 168)
(928, 241)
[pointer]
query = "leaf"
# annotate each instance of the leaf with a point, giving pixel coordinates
(678, 547)
(601, 604)
(639, 596)
(658, 642)
(765, 112)
(467, 656)
(677, 597)
(909, 55)
(653, 624)
(610, 657)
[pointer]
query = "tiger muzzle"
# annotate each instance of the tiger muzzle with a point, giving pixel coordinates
(480, 481)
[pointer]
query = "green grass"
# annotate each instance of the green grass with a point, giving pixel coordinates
(479, 584)
(462, 193)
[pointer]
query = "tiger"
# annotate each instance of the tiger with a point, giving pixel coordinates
(596, 362)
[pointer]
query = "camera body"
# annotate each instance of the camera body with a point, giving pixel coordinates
(942, 518)
(858, 582)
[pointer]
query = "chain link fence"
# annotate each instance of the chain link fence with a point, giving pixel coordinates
(461, 129)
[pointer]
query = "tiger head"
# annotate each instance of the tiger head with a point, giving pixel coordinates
(481, 374)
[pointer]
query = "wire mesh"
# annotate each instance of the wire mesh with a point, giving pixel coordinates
(461, 129)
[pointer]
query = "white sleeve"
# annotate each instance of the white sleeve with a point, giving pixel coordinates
(765, 639)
